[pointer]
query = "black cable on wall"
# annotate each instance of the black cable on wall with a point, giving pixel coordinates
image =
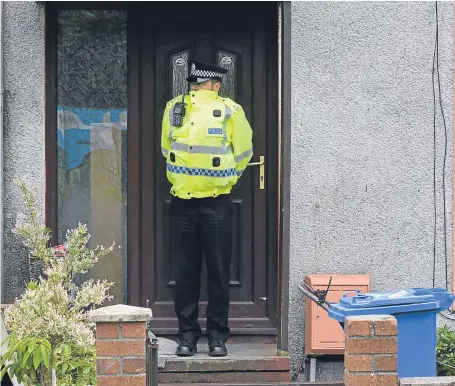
(436, 69)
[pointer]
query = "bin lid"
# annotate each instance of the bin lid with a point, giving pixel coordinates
(391, 298)
(391, 302)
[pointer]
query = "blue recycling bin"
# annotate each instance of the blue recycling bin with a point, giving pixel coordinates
(415, 310)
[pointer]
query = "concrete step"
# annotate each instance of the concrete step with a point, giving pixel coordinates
(227, 377)
(223, 364)
(245, 363)
(262, 384)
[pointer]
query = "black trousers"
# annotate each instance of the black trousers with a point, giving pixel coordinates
(202, 225)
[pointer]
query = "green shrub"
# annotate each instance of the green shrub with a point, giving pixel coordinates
(48, 325)
(445, 352)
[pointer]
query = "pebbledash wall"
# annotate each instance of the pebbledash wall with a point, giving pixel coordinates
(362, 143)
(362, 147)
(23, 61)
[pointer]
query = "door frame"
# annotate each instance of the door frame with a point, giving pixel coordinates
(278, 230)
(284, 178)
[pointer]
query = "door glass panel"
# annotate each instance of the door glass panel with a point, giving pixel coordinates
(92, 134)
(179, 65)
(228, 61)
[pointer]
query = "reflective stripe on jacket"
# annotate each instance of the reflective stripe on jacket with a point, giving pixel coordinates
(206, 155)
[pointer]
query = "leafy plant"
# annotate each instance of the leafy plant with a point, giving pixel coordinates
(48, 324)
(445, 351)
(29, 359)
(74, 365)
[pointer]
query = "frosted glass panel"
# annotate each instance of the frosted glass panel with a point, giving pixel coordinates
(179, 65)
(92, 134)
(228, 61)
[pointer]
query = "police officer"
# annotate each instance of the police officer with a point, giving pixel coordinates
(207, 142)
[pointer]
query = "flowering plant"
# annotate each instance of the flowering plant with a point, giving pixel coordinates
(48, 324)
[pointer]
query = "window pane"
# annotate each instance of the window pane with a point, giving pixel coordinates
(92, 133)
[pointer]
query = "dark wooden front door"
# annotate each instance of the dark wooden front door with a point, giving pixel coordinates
(235, 36)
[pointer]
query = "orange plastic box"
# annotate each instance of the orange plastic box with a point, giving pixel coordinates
(324, 335)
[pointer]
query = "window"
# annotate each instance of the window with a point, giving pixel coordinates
(92, 100)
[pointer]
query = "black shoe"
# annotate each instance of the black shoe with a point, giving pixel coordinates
(186, 348)
(217, 348)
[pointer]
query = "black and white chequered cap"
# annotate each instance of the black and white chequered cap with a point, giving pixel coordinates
(201, 72)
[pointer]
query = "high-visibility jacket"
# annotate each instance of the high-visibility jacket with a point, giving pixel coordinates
(206, 156)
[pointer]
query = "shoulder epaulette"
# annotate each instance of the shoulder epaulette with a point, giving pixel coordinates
(235, 107)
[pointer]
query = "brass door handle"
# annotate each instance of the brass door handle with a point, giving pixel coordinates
(256, 163)
(261, 165)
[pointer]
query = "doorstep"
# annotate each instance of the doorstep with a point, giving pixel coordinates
(245, 363)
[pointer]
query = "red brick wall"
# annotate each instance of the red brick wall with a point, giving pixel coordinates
(371, 351)
(120, 352)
